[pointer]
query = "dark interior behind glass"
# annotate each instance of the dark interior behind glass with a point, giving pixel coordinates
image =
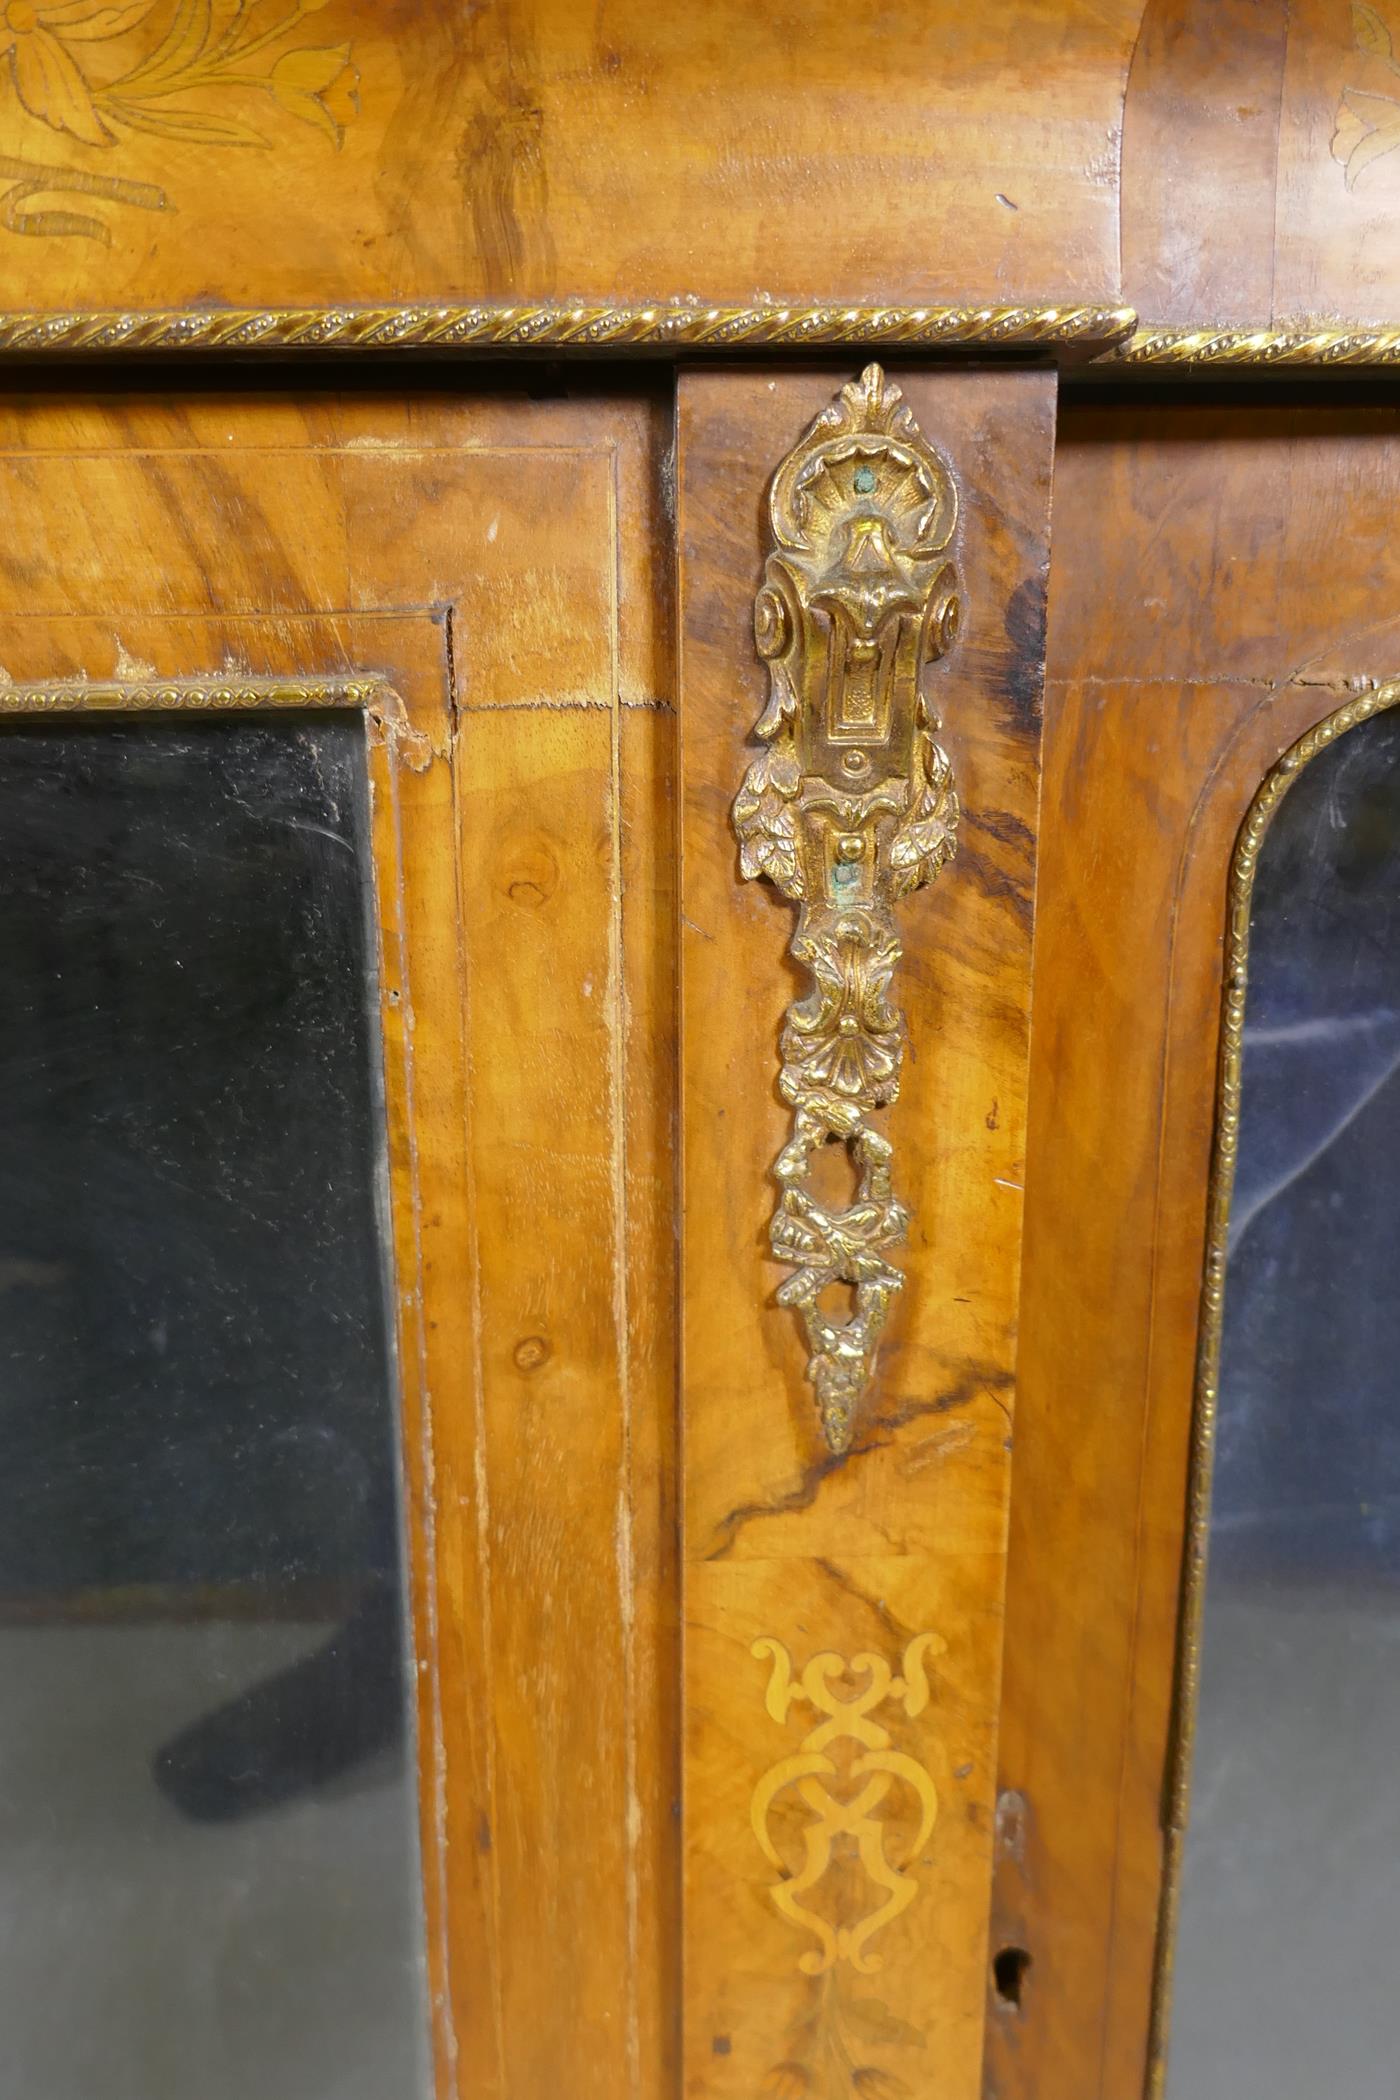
(1290, 1911)
(207, 1802)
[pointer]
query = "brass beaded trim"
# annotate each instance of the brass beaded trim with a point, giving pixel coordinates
(585, 327)
(209, 695)
(1108, 336)
(1297, 343)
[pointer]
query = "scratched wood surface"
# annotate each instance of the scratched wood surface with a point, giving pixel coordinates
(905, 1534)
(1200, 160)
(1221, 577)
(1241, 156)
(1261, 161)
(377, 150)
(501, 561)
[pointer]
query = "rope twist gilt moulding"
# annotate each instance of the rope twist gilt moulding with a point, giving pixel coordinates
(848, 807)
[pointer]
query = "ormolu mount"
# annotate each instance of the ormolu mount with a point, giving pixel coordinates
(849, 806)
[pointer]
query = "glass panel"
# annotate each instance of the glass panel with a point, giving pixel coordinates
(208, 1871)
(1290, 1910)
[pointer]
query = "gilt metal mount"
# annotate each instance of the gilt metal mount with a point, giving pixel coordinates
(848, 807)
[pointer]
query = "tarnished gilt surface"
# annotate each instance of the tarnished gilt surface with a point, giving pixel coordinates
(849, 806)
(843, 1560)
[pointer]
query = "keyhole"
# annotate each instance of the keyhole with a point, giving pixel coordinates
(1010, 1967)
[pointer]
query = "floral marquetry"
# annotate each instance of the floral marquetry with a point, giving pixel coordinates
(100, 70)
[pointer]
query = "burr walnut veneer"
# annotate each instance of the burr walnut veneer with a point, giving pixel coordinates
(815, 625)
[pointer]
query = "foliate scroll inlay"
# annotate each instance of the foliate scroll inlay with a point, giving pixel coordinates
(848, 807)
(845, 1781)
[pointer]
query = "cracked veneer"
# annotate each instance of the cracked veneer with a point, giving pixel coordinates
(986, 1382)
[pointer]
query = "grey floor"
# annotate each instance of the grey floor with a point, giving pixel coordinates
(1288, 1957)
(146, 1957)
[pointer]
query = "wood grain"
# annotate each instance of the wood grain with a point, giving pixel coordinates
(500, 561)
(1226, 572)
(1260, 174)
(533, 150)
(1221, 572)
(905, 1534)
(1337, 247)
(538, 149)
(1200, 159)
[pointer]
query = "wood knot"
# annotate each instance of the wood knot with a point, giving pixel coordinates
(533, 875)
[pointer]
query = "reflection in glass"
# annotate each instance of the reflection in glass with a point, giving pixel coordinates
(1285, 1982)
(208, 1872)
